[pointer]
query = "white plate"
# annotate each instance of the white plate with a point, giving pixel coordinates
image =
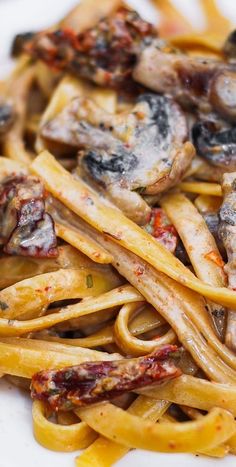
(17, 445)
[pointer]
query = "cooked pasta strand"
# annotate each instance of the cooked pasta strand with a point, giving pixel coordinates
(91, 226)
(75, 194)
(183, 310)
(207, 204)
(128, 265)
(172, 22)
(91, 305)
(232, 444)
(58, 437)
(132, 345)
(189, 223)
(88, 12)
(133, 431)
(210, 43)
(24, 267)
(18, 90)
(104, 452)
(214, 18)
(51, 287)
(204, 255)
(148, 321)
(218, 451)
(97, 339)
(197, 393)
(24, 357)
(83, 243)
(202, 188)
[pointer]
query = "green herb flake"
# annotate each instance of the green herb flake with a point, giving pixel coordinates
(176, 354)
(3, 306)
(53, 391)
(68, 374)
(140, 189)
(68, 405)
(89, 281)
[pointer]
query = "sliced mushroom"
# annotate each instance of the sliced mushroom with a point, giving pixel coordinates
(222, 93)
(197, 83)
(215, 145)
(26, 229)
(138, 151)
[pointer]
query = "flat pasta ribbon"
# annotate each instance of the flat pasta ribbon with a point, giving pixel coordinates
(76, 195)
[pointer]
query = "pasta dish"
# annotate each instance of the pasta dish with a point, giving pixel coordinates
(118, 231)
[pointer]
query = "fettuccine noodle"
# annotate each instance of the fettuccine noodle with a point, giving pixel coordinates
(117, 235)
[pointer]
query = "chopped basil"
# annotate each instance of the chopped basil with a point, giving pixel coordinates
(53, 391)
(89, 281)
(68, 405)
(3, 306)
(140, 189)
(176, 354)
(68, 374)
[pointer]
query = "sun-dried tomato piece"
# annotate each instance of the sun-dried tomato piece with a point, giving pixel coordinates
(105, 54)
(93, 382)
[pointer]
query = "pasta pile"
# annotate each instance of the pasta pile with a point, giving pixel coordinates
(113, 291)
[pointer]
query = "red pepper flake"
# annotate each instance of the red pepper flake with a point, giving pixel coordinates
(96, 255)
(47, 288)
(139, 270)
(160, 228)
(172, 445)
(215, 258)
(140, 115)
(84, 196)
